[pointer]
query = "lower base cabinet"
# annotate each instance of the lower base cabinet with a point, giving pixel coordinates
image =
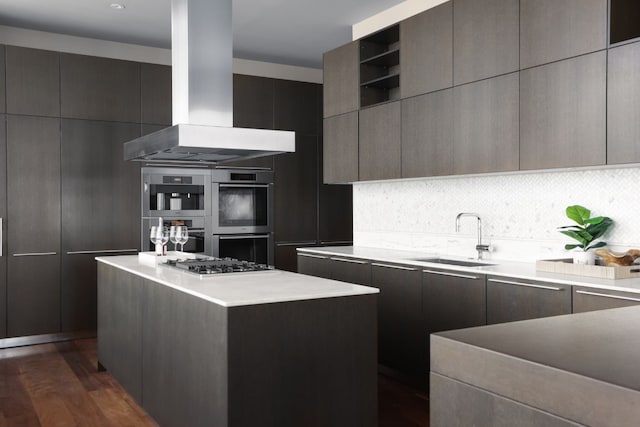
(592, 299)
(314, 265)
(512, 299)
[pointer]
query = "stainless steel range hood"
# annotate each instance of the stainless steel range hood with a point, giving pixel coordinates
(202, 91)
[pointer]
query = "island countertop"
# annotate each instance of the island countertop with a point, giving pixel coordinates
(237, 289)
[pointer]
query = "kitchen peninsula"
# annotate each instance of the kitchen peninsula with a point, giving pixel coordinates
(268, 348)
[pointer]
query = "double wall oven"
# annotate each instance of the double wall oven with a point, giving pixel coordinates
(229, 212)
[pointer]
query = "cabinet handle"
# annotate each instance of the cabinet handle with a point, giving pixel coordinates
(307, 243)
(527, 285)
(312, 256)
(336, 242)
(597, 294)
(442, 273)
(352, 261)
(1, 238)
(397, 267)
(36, 254)
(105, 251)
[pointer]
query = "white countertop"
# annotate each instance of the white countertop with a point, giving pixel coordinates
(520, 270)
(237, 289)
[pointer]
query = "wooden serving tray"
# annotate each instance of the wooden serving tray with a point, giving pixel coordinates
(566, 266)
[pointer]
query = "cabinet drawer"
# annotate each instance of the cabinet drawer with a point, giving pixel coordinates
(592, 299)
(351, 270)
(314, 265)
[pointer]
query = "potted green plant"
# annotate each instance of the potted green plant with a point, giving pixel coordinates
(586, 231)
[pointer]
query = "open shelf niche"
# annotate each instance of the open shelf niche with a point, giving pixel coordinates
(380, 67)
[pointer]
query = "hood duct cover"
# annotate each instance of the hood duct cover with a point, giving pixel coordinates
(202, 95)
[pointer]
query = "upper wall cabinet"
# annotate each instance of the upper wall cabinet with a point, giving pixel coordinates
(563, 113)
(155, 94)
(427, 132)
(623, 104)
(551, 30)
(380, 67)
(33, 82)
(380, 145)
(426, 43)
(99, 88)
(341, 80)
(485, 133)
(624, 16)
(485, 39)
(340, 148)
(2, 79)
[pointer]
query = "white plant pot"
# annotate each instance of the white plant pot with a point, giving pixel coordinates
(584, 258)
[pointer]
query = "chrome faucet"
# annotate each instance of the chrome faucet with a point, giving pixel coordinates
(479, 247)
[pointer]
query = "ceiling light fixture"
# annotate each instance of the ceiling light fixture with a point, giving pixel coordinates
(117, 6)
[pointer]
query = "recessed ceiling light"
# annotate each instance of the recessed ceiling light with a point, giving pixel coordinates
(117, 6)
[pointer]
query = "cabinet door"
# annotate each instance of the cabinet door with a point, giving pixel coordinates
(341, 80)
(452, 300)
(296, 198)
(426, 46)
(33, 82)
(340, 148)
(510, 300)
(563, 113)
(3, 227)
(155, 94)
(350, 270)
(401, 345)
(335, 224)
(296, 106)
(592, 299)
(485, 39)
(286, 255)
(485, 126)
(314, 265)
(427, 132)
(100, 210)
(33, 200)
(551, 30)
(99, 88)
(623, 104)
(380, 146)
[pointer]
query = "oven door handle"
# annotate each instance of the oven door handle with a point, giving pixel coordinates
(244, 236)
(244, 185)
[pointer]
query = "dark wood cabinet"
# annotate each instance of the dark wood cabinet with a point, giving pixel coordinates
(100, 210)
(552, 30)
(592, 299)
(427, 132)
(426, 43)
(286, 255)
(314, 265)
(485, 39)
(2, 79)
(296, 197)
(99, 88)
(340, 148)
(3, 228)
(341, 80)
(33, 200)
(485, 126)
(513, 299)
(623, 104)
(296, 106)
(155, 94)
(379, 148)
(623, 20)
(335, 222)
(350, 270)
(121, 297)
(401, 345)
(563, 113)
(33, 82)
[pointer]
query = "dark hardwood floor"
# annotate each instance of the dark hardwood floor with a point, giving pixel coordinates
(58, 384)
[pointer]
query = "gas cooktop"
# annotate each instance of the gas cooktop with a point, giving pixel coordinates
(212, 265)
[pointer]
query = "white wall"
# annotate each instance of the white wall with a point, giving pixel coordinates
(520, 212)
(84, 46)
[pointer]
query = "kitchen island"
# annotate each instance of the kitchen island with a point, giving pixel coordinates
(268, 348)
(579, 369)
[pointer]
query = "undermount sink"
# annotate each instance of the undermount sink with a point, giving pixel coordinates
(460, 263)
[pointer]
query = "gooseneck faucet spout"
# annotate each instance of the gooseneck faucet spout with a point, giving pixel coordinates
(479, 247)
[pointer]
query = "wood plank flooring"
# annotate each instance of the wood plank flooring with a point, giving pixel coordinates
(58, 384)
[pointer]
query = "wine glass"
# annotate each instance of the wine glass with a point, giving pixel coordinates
(162, 237)
(182, 236)
(153, 235)
(172, 236)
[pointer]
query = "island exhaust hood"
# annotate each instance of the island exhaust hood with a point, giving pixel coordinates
(202, 91)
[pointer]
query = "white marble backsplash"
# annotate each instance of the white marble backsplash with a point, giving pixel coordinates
(520, 212)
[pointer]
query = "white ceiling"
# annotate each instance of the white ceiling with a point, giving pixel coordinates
(293, 32)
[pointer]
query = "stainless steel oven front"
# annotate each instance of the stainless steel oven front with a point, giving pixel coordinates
(242, 201)
(200, 238)
(176, 192)
(256, 248)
